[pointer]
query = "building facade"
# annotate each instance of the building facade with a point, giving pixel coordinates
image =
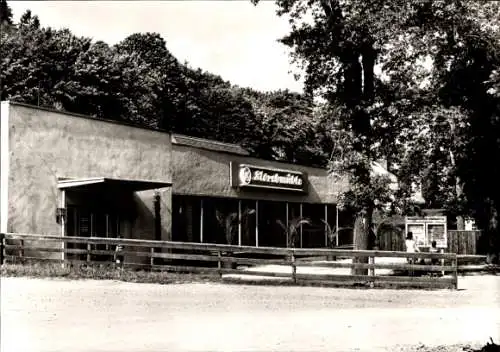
(72, 175)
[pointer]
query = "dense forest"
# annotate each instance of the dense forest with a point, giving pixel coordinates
(139, 81)
(437, 124)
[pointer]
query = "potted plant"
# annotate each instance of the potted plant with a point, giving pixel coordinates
(292, 230)
(229, 222)
(332, 234)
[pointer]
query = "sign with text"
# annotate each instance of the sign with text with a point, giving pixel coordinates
(252, 176)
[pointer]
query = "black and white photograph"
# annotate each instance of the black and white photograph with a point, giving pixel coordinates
(250, 175)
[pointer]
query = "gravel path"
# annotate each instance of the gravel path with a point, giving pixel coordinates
(59, 315)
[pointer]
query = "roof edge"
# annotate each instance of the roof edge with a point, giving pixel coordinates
(88, 117)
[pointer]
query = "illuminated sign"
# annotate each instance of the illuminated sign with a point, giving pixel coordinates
(244, 175)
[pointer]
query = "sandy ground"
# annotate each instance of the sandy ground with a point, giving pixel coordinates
(60, 315)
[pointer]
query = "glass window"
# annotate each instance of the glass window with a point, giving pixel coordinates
(186, 215)
(332, 221)
(210, 224)
(248, 222)
(83, 222)
(271, 233)
(313, 234)
(220, 220)
(294, 216)
(346, 227)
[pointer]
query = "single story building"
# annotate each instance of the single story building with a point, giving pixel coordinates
(72, 175)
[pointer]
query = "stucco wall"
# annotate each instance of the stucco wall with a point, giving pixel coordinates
(4, 165)
(207, 173)
(45, 145)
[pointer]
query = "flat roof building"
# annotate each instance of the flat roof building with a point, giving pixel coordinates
(74, 175)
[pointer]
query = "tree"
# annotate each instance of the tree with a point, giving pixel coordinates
(286, 128)
(94, 87)
(35, 62)
(5, 13)
(340, 43)
(457, 112)
(165, 70)
(431, 158)
(338, 49)
(27, 19)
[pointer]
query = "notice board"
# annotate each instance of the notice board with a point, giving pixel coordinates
(427, 229)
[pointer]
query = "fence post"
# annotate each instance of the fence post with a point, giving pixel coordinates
(152, 252)
(89, 249)
(2, 248)
(442, 261)
(455, 271)
(371, 261)
(21, 252)
(219, 263)
(294, 269)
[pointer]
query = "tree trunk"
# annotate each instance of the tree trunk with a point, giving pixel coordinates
(458, 186)
(493, 247)
(362, 226)
(460, 222)
(459, 193)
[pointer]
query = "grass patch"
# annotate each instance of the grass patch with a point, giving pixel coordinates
(100, 272)
(108, 271)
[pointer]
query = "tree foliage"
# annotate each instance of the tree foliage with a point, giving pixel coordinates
(5, 13)
(139, 80)
(427, 110)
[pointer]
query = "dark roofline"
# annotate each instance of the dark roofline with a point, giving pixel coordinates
(88, 117)
(207, 144)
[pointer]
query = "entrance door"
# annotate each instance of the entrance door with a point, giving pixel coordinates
(85, 222)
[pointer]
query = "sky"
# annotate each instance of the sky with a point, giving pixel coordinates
(231, 38)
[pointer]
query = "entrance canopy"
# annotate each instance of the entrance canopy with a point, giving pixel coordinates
(103, 183)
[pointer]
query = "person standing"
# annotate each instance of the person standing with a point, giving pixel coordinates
(434, 261)
(411, 247)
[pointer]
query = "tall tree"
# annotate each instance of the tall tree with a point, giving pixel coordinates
(35, 61)
(170, 88)
(341, 43)
(461, 41)
(338, 44)
(5, 13)
(287, 129)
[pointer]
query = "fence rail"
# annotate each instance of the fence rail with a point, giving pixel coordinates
(229, 261)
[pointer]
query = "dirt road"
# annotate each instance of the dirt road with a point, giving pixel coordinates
(58, 315)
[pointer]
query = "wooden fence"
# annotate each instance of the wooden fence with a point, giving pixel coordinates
(463, 242)
(459, 241)
(242, 261)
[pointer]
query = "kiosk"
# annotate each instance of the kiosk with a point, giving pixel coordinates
(427, 229)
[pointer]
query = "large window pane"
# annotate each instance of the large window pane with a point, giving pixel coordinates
(186, 215)
(271, 233)
(313, 234)
(294, 217)
(220, 220)
(332, 220)
(248, 222)
(346, 227)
